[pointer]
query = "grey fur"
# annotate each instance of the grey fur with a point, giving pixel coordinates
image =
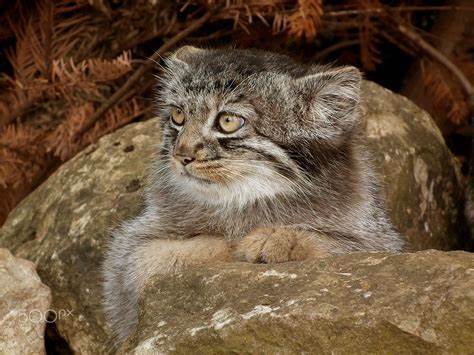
(300, 161)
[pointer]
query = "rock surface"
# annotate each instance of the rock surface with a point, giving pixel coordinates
(358, 303)
(63, 225)
(421, 177)
(24, 304)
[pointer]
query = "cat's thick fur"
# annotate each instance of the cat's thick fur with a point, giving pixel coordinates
(294, 182)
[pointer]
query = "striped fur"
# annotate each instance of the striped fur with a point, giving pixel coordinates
(298, 170)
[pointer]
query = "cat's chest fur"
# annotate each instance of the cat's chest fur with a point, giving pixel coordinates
(186, 219)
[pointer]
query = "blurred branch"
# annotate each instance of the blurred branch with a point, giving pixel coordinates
(344, 44)
(466, 131)
(140, 72)
(441, 59)
(403, 46)
(380, 10)
(216, 35)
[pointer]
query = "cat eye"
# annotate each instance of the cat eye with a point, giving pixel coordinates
(177, 116)
(230, 123)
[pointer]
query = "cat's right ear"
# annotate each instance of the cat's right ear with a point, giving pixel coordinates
(330, 99)
(185, 53)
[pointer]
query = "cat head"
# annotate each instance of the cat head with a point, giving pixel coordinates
(241, 125)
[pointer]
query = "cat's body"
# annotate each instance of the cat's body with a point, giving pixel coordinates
(262, 160)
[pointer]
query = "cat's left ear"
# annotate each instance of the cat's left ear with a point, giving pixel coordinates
(331, 100)
(184, 53)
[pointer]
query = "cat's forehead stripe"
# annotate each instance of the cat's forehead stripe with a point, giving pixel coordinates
(195, 83)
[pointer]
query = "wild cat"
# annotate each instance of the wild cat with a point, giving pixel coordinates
(261, 159)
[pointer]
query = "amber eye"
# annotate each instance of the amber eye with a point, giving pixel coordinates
(229, 123)
(177, 116)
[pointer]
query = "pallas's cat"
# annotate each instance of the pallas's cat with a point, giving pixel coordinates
(260, 159)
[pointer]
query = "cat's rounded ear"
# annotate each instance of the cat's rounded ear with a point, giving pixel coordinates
(330, 100)
(184, 53)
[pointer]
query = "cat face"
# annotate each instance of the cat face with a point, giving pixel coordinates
(241, 125)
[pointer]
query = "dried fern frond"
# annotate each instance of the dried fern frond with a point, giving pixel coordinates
(243, 14)
(109, 70)
(305, 21)
(446, 96)
(61, 142)
(56, 76)
(16, 101)
(19, 156)
(118, 116)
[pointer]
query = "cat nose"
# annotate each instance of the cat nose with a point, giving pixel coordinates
(185, 160)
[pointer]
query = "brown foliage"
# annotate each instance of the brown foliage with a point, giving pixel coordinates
(50, 93)
(67, 58)
(447, 97)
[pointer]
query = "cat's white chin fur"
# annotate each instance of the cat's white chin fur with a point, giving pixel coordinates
(265, 183)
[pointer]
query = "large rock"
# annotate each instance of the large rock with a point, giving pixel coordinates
(421, 177)
(357, 303)
(64, 224)
(24, 306)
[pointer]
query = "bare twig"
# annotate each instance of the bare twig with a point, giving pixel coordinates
(337, 13)
(391, 37)
(212, 36)
(344, 44)
(140, 72)
(466, 131)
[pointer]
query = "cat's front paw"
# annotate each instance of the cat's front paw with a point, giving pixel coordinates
(277, 245)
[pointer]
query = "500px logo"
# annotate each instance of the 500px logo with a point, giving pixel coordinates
(48, 316)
